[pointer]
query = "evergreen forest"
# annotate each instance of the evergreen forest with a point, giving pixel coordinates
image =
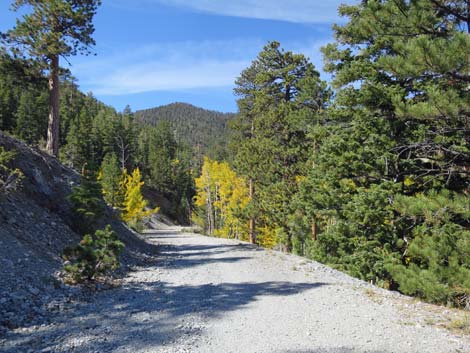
(368, 173)
(205, 132)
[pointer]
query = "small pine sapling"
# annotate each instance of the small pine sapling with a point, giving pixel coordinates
(94, 257)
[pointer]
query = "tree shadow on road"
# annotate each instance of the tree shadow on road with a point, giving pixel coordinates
(147, 315)
(181, 256)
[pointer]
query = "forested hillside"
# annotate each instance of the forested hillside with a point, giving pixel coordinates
(38, 220)
(205, 131)
(369, 173)
(95, 138)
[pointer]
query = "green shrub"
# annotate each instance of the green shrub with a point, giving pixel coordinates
(9, 178)
(94, 257)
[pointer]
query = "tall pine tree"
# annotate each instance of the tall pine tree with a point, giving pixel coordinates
(281, 96)
(53, 29)
(111, 178)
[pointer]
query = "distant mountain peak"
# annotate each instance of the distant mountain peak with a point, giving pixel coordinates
(178, 105)
(197, 127)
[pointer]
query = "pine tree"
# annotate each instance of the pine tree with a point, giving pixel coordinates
(435, 263)
(71, 104)
(162, 149)
(281, 95)
(19, 77)
(31, 124)
(95, 257)
(396, 139)
(83, 144)
(183, 186)
(8, 103)
(110, 178)
(53, 29)
(166, 168)
(125, 138)
(87, 204)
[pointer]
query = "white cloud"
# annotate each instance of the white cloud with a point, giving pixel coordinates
(166, 67)
(152, 76)
(300, 11)
(176, 66)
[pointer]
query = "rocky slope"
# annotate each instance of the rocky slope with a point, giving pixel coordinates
(34, 229)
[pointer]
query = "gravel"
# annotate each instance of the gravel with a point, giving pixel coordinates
(203, 294)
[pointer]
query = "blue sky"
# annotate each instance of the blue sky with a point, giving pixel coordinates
(154, 52)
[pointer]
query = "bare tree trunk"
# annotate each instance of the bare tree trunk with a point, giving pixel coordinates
(210, 213)
(215, 198)
(252, 219)
(52, 146)
(123, 148)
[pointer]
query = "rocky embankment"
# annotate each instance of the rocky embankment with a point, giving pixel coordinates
(34, 229)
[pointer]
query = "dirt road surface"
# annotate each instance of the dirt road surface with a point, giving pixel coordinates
(204, 294)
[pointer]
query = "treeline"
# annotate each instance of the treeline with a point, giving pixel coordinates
(371, 176)
(94, 137)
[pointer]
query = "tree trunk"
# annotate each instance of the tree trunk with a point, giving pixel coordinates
(52, 146)
(215, 198)
(210, 212)
(314, 230)
(468, 16)
(252, 219)
(123, 148)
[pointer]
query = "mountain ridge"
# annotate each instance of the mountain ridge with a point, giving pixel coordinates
(189, 105)
(205, 131)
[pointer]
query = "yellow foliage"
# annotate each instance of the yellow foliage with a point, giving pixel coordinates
(266, 237)
(224, 195)
(348, 183)
(300, 179)
(134, 206)
(408, 181)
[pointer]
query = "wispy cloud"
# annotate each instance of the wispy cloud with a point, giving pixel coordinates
(146, 77)
(176, 66)
(300, 11)
(166, 67)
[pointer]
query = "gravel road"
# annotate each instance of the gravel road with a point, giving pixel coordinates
(213, 295)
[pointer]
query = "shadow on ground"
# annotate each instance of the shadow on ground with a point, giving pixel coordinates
(141, 316)
(188, 255)
(144, 316)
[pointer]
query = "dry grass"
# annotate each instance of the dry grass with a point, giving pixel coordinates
(460, 324)
(373, 295)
